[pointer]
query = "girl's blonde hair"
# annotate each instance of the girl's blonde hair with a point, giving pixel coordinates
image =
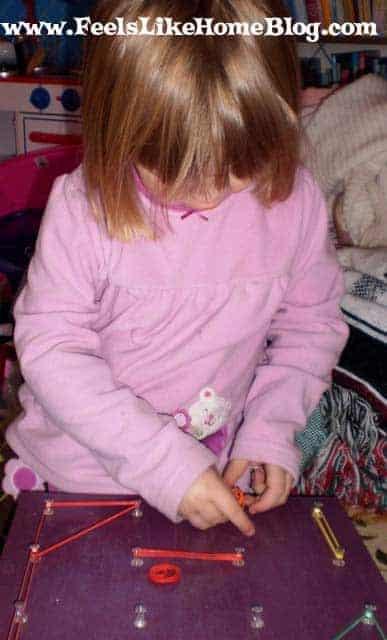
(191, 109)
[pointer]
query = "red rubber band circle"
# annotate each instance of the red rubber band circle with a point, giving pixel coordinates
(164, 573)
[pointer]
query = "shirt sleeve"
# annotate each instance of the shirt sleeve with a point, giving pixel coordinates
(60, 357)
(304, 343)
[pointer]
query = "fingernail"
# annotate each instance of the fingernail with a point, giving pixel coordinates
(251, 532)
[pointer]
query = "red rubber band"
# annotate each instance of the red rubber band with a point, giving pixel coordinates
(139, 552)
(164, 573)
(239, 496)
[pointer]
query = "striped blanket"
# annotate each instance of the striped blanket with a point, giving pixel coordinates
(349, 427)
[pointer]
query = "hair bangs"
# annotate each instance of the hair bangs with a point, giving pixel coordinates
(192, 110)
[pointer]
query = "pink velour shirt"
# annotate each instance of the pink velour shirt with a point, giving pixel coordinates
(147, 362)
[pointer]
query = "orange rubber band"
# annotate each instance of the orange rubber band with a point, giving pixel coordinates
(239, 496)
(94, 503)
(164, 573)
(83, 532)
(139, 552)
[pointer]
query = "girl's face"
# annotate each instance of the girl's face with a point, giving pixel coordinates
(194, 201)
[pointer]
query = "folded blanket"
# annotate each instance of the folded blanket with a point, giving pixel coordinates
(363, 364)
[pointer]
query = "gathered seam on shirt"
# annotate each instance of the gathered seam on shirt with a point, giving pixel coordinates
(275, 276)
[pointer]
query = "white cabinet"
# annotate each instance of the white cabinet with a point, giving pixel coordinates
(35, 131)
(37, 113)
(7, 135)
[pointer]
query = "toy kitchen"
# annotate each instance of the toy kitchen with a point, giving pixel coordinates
(40, 78)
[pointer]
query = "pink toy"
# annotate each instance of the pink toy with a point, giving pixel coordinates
(26, 180)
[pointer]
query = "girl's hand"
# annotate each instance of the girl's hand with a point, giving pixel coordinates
(273, 484)
(209, 502)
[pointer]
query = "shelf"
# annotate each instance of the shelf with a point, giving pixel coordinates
(360, 40)
(37, 79)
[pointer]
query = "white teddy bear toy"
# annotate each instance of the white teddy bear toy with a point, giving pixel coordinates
(206, 416)
(360, 211)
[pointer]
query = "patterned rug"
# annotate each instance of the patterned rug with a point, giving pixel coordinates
(372, 528)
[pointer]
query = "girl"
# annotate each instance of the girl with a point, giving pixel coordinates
(181, 318)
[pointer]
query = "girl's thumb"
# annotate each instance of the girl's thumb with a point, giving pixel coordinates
(234, 470)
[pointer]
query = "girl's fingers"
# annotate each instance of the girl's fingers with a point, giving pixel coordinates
(234, 470)
(249, 500)
(289, 483)
(212, 503)
(197, 521)
(276, 493)
(268, 500)
(273, 483)
(259, 479)
(211, 514)
(233, 512)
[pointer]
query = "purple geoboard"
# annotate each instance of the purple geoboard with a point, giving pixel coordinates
(90, 589)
